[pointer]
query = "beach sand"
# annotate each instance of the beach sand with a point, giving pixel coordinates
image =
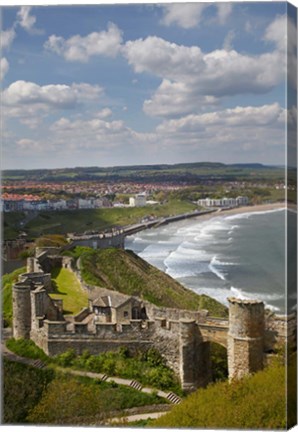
(245, 209)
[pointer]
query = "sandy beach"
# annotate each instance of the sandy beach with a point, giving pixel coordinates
(245, 209)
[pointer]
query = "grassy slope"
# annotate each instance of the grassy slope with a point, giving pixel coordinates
(44, 396)
(95, 219)
(256, 402)
(7, 282)
(69, 290)
(125, 272)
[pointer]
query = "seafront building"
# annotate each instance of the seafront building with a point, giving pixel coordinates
(224, 202)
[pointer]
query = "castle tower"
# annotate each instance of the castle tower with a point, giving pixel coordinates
(21, 304)
(194, 361)
(245, 337)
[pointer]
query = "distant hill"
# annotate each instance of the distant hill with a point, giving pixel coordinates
(127, 273)
(186, 172)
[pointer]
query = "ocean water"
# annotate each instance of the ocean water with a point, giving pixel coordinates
(239, 255)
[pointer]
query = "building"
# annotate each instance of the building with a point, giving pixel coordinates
(138, 200)
(224, 202)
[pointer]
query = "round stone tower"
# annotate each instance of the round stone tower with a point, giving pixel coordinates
(21, 305)
(245, 337)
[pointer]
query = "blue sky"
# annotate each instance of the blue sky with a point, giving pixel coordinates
(138, 84)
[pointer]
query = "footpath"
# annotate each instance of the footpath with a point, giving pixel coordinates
(169, 396)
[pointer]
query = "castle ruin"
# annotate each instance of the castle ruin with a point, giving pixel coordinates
(112, 320)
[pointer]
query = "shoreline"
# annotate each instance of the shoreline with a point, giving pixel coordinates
(240, 210)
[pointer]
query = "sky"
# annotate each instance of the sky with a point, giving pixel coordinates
(109, 85)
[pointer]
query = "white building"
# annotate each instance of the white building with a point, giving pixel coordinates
(138, 200)
(223, 202)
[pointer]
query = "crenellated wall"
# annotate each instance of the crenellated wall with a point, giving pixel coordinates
(182, 337)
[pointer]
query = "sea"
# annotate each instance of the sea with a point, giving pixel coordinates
(239, 255)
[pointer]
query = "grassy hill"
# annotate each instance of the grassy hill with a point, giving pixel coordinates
(127, 273)
(255, 402)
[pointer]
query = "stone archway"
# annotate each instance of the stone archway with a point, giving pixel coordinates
(244, 339)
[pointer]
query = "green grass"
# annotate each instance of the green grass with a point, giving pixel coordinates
(68, 289)
(63, 222)
(83, 401)
(7, 281)
(46, 396)
(125, 272)
(255, 402)
(22, 389)
(27, 348)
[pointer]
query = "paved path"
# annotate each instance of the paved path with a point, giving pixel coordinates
(171, 397)
(136, 417)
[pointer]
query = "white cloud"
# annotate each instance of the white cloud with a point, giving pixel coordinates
(239, 117)
(228, 42)
(26, 20)
(29, 144)
(7, 38)
(58, 96)
(188, 73)
(81, 48)
(224, 10)
(185, 15)
(189, 15)
(173, 99)
(104, 113)
(4, 67)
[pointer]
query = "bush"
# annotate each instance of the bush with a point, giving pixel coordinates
(66, 359)
(255, 402)
(23, 387)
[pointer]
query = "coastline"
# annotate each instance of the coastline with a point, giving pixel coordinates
(245, 209)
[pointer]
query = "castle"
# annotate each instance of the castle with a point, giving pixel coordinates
(113, 320)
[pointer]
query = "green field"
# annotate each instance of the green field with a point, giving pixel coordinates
(66, 221)
(68, 289)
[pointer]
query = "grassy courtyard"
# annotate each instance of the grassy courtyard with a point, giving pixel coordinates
(68, 289)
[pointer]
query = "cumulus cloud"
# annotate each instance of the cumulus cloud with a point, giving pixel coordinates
(188, 73)
(189, 15)
(185, 15)
(7, 38)
(191, 78)
(81, 48)
(4, 67)
(24, 93)
(29, 144)
(31, 103)
(173, 99)
(233, 117)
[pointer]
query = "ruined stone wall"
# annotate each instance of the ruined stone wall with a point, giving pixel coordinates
(279, 330)
(37, 278)
(174, 314)
(245, 337)
(21, 305)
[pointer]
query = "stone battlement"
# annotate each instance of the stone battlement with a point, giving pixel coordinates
(113, 320)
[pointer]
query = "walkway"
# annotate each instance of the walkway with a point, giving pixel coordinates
(171, 397)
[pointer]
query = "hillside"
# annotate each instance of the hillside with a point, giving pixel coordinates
(127, 273)
(255, 402)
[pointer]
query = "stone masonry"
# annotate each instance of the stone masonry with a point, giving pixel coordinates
(182, 337)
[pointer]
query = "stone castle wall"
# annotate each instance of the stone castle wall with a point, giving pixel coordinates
(182, 337)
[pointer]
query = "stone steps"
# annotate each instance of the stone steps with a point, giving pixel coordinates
(173, 398)
(136, 385)
(38, 364)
